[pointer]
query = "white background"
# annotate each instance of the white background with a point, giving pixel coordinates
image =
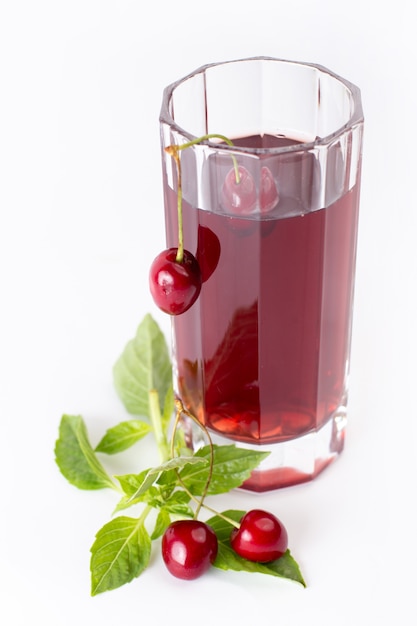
(81, 218)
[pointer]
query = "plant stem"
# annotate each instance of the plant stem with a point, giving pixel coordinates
(144, 514)
(181, 409)
(156, 420)
(173, 150)
(200, 501)
(180, 252)
(208, 508)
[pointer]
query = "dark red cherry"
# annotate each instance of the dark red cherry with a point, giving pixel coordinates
(239, 196)
(261, 537)
(174, 285)
(208, 251)
(189, 548)
(268, 192)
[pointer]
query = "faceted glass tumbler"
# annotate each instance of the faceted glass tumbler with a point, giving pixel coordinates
(262, 356)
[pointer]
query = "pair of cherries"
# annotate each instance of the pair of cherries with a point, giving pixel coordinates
(175, 283)
(189, 547)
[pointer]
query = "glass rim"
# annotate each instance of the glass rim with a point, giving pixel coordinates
(356, 117)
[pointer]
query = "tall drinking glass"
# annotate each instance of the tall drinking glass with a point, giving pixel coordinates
(262, 356)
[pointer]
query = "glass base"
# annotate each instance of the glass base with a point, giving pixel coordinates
(291, 462)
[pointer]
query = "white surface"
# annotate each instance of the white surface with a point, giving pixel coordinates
(81, 218)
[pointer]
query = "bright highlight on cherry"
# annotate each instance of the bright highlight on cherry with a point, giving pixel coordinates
(239, 194)
(175, 277)
(175, 285)
(190, 547)
(261, 537)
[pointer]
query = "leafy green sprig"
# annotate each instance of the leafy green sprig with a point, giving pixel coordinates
(175, 488)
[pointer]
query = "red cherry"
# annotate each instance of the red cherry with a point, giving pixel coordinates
(189, 547)
(261, 537)
(208, 251)
(239, 197)
(174, 285)
(268, 192)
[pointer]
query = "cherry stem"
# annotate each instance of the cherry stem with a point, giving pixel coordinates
(180, 252)
(173, 150)
(200, 501)
(182, 410)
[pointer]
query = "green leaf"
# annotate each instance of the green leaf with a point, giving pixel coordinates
(227, 559)
(150, 497)
(134, 485)
(162, 522)
(120, 553)
(76, 458)
(168, 409)
(130, 484)
(123, 436)
(177, 504)
(144, 365)
(231, 467)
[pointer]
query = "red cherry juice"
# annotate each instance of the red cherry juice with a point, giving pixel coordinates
(262, 356)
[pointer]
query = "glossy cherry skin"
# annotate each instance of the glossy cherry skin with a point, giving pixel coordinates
(244, 204)
(268, 192)
(208, 252)
(261, 537)
(239, 196)
(189, 547)
(174, 285)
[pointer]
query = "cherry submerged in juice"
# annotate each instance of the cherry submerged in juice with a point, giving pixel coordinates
(262, 356)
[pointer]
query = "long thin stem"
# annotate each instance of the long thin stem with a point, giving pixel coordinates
(174, 150)
(180, 252)
(198, 140)
(182, 409)
(206, 506)
(200, 501)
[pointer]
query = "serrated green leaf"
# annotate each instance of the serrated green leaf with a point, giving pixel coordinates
(135, 485)
(76, 458)
(227, 559)
(168, 410)
(151, 496)
(163, 520)
(232, 465)
(176, 504)
(168, 480)
(144, 365)
(120, 553)
(131, 483)
(123, 436)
